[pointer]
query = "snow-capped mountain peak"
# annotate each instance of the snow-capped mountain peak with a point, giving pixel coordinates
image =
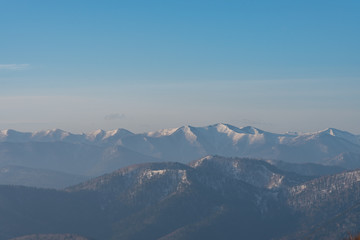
(339, 134)
(251, 130)
(221, 127)
(255, 172)
(117, 133)
(51, 133)
(8, 132)
(13, 135)
(188, 143)
(96, 135)
(161, 133)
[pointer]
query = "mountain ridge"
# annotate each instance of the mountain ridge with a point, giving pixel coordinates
(102, 151)
(211, 198)
(60, 135)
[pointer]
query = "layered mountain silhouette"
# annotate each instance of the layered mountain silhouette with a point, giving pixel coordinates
(210, 198)
(14, 175)
(101, 151)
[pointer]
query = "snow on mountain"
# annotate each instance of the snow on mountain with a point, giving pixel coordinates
(96, 135)
(108, 137)
(54, 135)
(14, 136)
(117, 133)
(50, 135)
(40, 136)
(254, 172)
(161, 133)
(342, 134)
(159, 179)
(187, 143)
(206, 199)
(333, 133)
(236, 135)
(339, 190)
(163, 179)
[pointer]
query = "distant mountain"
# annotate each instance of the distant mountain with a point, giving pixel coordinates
(73, 158)
(14, 175)
(211, 198)
(308, 169)
(230, 141)
(190, 143)
(101, 151)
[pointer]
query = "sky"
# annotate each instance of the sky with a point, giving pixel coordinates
(144, 65)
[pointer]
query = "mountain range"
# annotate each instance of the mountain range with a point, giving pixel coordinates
(210, 198)
(100, 152)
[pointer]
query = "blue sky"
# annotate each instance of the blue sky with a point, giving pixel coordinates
(144, 65)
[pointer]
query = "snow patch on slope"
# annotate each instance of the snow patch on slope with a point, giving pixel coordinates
(162, 133)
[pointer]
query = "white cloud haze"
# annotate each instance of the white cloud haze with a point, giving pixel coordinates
(14, 66)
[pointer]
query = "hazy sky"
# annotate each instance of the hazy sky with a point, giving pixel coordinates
(80, 65)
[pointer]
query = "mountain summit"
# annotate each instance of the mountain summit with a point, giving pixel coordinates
(102, 151)
(210, 198)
